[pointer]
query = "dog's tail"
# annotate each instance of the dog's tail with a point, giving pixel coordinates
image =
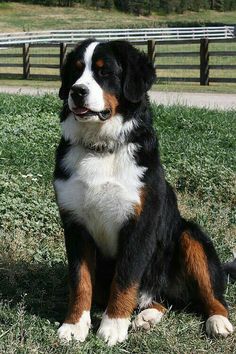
(230, 268)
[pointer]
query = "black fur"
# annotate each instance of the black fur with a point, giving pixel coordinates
(230, 269)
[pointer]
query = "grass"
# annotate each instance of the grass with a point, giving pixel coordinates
(26, 17)
(197, 149)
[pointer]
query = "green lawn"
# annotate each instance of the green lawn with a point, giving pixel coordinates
(198, 153)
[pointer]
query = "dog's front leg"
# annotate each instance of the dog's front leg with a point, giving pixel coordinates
(80, 253)
(116, 319)
(131, 262)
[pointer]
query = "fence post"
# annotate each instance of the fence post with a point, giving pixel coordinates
(26, 61)
(63, 47)
(204, 62)
(151, 50)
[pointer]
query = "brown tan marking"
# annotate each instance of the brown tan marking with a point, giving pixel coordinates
(99, 63)
(157, 306)
(122, 302)
(196, 263)
(111, 102)
(138, 208)
(80, 299)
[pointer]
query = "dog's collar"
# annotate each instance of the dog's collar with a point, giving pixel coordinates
(100, 148)
(103, 148)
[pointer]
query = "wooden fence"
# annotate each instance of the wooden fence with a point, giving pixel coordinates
(20, 61)
(204, 67)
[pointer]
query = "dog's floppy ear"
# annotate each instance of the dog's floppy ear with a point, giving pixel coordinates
(66, 76)
(139, 72)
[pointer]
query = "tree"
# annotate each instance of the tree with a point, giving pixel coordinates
(108, 4)
(219, 5)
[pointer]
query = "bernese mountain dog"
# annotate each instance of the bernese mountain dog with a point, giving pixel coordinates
(127, 245)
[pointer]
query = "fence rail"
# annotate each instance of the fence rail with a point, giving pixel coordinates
(198, 58)
(135, 35)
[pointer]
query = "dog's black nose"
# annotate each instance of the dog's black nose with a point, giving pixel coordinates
(80, 90)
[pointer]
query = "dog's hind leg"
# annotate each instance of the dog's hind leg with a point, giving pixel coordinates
(149, 316)
(197, 270)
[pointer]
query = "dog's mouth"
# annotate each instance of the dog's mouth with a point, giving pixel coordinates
(84, 113)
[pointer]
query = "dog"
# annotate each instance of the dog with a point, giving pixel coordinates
(127, 244)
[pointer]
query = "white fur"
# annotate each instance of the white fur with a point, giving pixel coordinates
(111, 132)
(144, 300)
(77, 331)
(103, 187)
(218, 325)
(101, 192)
(147, 318)
(113, 330)
(94, 100)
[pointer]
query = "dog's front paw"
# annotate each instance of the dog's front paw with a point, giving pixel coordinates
(147, 319)
(113, 330)
(218, 325)
(77, 331)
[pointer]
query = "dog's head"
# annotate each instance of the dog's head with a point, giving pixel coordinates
(97, 77)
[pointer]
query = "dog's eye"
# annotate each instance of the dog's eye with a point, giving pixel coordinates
(79, 65)
(104, 72)
(79, 68)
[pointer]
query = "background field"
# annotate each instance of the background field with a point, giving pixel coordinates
(26, 17)
(197, 149)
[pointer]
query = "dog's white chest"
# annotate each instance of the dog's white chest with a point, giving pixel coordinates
(101, 192)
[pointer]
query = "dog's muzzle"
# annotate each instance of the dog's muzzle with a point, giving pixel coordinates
(78, 95)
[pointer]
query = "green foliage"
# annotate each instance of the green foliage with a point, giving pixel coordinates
(144, 7)
(223, 5)
(219, 5)
(229, 5)
(66, 3)
(169, 6)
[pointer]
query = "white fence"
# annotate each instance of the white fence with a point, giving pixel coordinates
(133, 35)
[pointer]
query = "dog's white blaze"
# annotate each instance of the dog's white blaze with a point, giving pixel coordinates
(113, 330)
(94, 100)
(77, 331)
(101, 192)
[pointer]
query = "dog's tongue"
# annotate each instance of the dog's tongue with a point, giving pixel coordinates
(80, 110)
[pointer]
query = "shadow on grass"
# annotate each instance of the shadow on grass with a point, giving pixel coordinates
(43, 289)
